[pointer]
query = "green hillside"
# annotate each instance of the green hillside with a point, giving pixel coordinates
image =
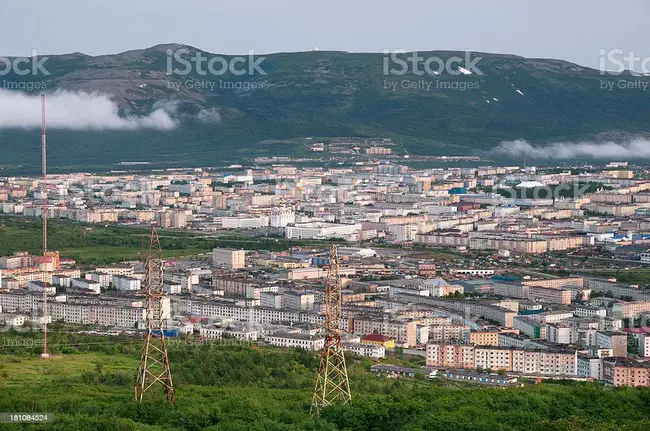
(88, 385)
(327, 94)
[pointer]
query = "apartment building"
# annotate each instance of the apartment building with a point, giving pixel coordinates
(625, 372)
(590, 367)
(123, 282)
(521, 245)
(116, 270)
(483, 338)
(103, 279)
(173, 220)
(561, 333)
(372, 351)
(271, 300)
(229, 258)
(243, 222)
(644, 345)
(549, 295)
(321, 230)
(612, 340)
(41, 287)
(448, 334)
(530, 327)
(295, 340)
(293, 300)
(238, 332)
(589, 311)
(238, 313)
(535, 362)
(82, 309)
(405, 332)
(557, 283)
(630, 309)
(22, 276)
(82, 283)
(617, 290)
(474, 308)
(450, 356)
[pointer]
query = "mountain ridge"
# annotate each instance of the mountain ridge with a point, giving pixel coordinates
(328, 94)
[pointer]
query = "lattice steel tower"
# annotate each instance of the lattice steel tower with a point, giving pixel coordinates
(154, 362)
(332, 384)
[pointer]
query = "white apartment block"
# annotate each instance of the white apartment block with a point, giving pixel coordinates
(271, 300)
(40, 286)
(61, 280)
(616, 289)
(122, 282)
(172, 289)
(231, 259)
(590, 367)
(242, 222)
(116, 270)
(82, 283)
(644, 345)
(241, 333)
(79, 310)
(474, 308)
(473, 272)
(103, 279)
(185, 279)
(561, 334)
(372, 351)
(237, 313)
(321, 230)
(295, 341)
(587, 311)
(298, 300)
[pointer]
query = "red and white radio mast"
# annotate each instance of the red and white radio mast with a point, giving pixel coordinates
(44, 191)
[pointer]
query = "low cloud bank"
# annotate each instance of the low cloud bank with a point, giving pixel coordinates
(77, 111)
(635, 148)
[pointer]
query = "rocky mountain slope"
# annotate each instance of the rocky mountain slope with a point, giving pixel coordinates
(213, 118)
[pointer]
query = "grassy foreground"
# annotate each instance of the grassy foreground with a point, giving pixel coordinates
(89, 386)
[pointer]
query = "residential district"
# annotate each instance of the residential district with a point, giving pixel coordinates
(504, 270)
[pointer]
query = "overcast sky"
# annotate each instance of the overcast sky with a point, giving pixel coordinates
(574, 30)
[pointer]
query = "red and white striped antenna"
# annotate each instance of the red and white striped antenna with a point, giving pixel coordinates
(44, 191)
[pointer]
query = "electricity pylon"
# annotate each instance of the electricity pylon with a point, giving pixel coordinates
(332, 384)
(154, 362)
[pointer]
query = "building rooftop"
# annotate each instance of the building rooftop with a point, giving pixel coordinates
(378, 338)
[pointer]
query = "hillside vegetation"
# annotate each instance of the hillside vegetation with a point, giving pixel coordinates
(233, 387)
(325, 94)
